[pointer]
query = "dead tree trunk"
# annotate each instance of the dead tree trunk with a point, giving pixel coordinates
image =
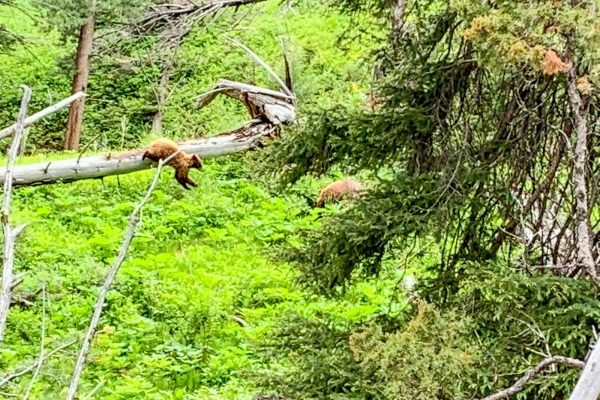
(398, 9)
(588, 386)
(582, 212)
(80, 81)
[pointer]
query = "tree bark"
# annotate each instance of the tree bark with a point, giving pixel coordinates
(588, 385)
(161, 98)
(80, 81)
(584, 243)
(398, 8)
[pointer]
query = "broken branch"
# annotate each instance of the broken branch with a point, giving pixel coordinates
(10, 235)
(10, 377)
(41, 114)
(171, 14)
(520, 384)
(276, 107)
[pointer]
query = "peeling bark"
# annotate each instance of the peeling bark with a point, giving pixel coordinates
(582, 211)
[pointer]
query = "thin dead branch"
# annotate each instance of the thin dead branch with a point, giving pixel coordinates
(134, 220)
(42, 114)
(10, 235)
(182, 12)
(529, 375)
(266, 66)
(42, 339)
(289, 73)
(9, 377)
(95, 390)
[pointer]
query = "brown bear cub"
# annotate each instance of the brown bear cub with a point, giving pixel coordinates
(339, 190)
(161, 149)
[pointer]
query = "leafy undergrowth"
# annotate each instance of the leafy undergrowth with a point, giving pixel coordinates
(200, 288)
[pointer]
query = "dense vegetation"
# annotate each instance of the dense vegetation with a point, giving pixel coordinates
(240, 287)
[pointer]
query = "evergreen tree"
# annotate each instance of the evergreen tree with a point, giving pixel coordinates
(473, 143)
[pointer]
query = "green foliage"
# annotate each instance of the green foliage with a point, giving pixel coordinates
(497, 326)
(205, 307)
(317, 358)
(518, 316)
(465, 125)
(432, 356)
(439, 355)
(35, 63)
(200, 260)
(452, 139)
(67, 16)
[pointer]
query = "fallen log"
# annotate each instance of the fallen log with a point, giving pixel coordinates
(269, 109)
(94, 167)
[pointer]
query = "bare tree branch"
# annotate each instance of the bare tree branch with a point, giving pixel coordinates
(182, 12)
(41, 114)
(289, 74)
(134, 219)
(520, 384)
(266, 66)
(94, 390)
(10, 235)
(9, 377)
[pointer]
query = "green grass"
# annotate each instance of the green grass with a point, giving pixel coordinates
(201, 259)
